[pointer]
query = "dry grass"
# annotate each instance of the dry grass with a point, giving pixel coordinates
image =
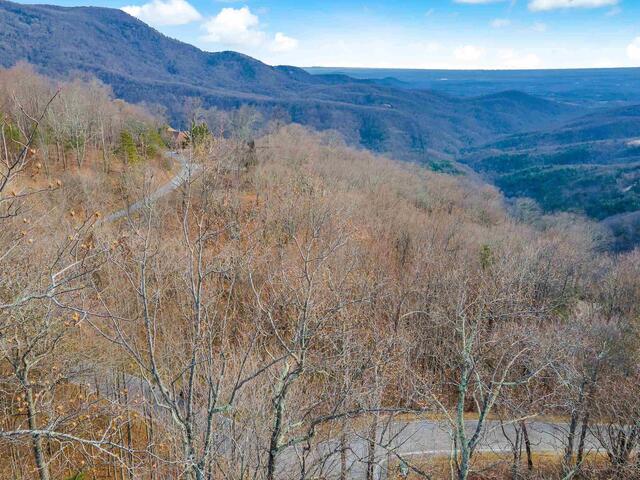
(496, 466)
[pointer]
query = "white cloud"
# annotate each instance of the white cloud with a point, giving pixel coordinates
(469, 53)
(234, 26)
(283, 43)
(500, 22)
(424, 47)
(240, 27)
(633, 50)
(604, 63)
(164, 12)
(369, 49)
(430, 47)
(544, 5)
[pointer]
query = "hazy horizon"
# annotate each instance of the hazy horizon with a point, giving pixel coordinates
(528, 70)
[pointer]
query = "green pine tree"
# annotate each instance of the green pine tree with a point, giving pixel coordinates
(128, 147)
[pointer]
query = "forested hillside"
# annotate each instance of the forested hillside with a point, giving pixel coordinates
(589, 166)
(291, 307)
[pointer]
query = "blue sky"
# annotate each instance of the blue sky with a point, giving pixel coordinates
(464, 34)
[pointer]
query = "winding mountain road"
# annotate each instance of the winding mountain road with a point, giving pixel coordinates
(187, 170)
(422, 439)
(430, 438)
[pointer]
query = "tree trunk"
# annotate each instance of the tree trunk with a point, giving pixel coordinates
(527, 446)
(583, 434)
(573, 426)
(276, 433)
(343, 456)
(517, 454)
(463, 470)
(371, 457)
(38, 450)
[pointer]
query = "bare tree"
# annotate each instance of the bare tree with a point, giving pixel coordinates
(15, 154)
(192, 360)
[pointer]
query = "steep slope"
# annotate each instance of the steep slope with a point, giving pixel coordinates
(143, 65)
(110, 43)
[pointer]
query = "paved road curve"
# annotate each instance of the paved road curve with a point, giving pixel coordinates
(137, 389)
(187, 170)
(421, 439)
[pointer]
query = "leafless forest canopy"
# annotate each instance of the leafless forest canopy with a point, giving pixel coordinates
(290, 300)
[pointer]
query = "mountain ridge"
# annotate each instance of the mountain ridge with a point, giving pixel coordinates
(143, 65)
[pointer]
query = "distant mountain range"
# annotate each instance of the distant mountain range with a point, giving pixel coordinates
(591, 87)
(143, 65)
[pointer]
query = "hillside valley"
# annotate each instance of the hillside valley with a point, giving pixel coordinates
(589, 166)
